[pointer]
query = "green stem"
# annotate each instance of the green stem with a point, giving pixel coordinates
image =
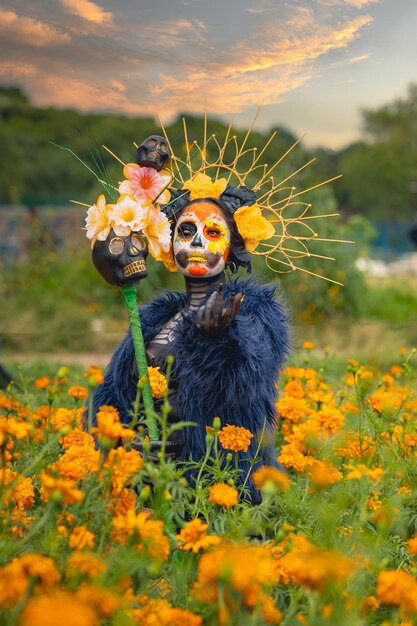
(129, 294)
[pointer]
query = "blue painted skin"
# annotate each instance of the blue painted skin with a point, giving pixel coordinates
(231, 375)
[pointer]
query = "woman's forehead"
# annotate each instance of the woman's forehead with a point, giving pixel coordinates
(201, 211)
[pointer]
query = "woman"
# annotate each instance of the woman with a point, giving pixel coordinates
(229, 338)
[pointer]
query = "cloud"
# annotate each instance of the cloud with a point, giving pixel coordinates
(30, 31)
(89, 11)
(352, 60)
(360, 4)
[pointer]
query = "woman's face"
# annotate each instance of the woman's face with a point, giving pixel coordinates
(201, 241)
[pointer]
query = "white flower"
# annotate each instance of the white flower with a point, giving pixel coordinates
(128, 215)
(157, 230)
(99, 219)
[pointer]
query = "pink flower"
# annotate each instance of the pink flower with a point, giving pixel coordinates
(145, 184)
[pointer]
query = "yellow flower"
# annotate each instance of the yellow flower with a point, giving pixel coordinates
(78, 438)
(235, 438)
(201, 186)
(359, 471)
(193, 537)
(15, 576)
(252, 226)
(394, 586)
(308, 345)
(158, 382)
(43, 610)
(265, 474)
(81, 538)
(223, 495)
(292, 408)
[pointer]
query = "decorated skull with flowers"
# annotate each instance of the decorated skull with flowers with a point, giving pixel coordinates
(123, 233)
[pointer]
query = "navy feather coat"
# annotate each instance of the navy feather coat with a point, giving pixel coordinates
(231, 376)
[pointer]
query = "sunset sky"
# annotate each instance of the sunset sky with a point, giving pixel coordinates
(312, 63)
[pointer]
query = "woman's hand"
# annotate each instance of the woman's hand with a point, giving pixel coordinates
(212, 317)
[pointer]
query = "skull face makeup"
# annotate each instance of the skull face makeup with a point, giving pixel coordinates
(121, 261)
(201, 240)
(153, 152)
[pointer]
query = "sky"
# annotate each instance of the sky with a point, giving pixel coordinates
(312, 64)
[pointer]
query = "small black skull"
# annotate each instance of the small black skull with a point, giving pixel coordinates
(121, 261)
(153, 152)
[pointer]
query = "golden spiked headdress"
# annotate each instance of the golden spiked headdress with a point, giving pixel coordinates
(277, 226)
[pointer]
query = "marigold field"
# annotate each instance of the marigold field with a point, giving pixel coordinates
(94, 532)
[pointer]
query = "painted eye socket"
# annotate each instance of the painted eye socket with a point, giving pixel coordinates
(138, 242)
(116, 245)
(164, 147)
(151, 143)
(186, 230)
(212, 232)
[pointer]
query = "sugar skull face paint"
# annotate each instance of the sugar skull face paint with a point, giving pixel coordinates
(201, 241)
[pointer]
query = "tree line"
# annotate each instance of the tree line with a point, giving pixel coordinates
(379, 171)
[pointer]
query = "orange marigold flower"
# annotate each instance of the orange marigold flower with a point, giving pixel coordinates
(42, 383)
(292, 409)
(293, 389)
(159, 612)
(59, 489)
(193, 537)
(324, 566)
(230, 564)
(78, 438)
(17, 489)
(78, 392)
(385, 401)
(147, 533)
(265, 474)
(121, 501)
(81, 538)
(328, 419)
(223, 495)
(412, 544)
(15, 576)
(76, 462)
(235, 438)
(109, 429)
(104, 601)
(158, 382)
(44, 609)
(308, 345)
(290, 456)
(63, 417)
(394, 585)
(353, 445)
(322, 473)
(94, 374)
(123, 465)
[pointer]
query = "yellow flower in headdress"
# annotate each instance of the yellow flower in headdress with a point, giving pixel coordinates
(201, 186)
(252, 225)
